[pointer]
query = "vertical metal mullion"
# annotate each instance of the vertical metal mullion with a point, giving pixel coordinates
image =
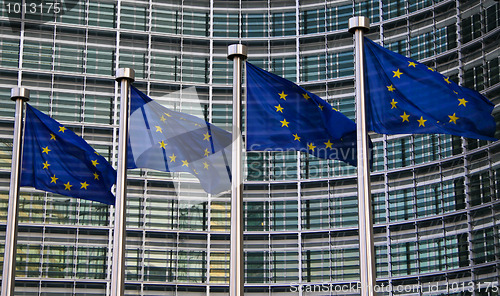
(240, 21)
(149, 49)
(483, 46)
(54, 53)
(464, 144)
(207, 270)
(299, 162)
(176, 275)
(85, 60)
(299, 227)
(143, 245)
(464, 149)
(181, 57)
(115, 143)
(21, 47)
(269, 33)
(148, 88)
(330, 226)
(210, 112)
(386, 168)
(297, 41)
(269, 229)
(109, 254)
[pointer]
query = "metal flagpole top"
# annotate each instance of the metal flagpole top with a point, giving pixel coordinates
(359, 22)
(125, 73)
(236, 50)
(20, 93)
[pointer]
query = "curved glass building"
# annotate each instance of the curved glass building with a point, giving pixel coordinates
(436, 198)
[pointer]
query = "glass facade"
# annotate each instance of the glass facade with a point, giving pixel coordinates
(436, 198)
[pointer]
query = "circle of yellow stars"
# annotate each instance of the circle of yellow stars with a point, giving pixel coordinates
(172, 158)
(421, 121)
(54, 179)
(285, 123)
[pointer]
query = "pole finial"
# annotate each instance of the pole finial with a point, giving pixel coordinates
(20, 93)
(125, 73)
(359, 22)
(236, 50)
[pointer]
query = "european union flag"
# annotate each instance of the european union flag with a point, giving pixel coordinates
(406, 97)
(284, 116)
(57, 160)
(170, 141)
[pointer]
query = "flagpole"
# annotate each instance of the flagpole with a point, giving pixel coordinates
(20, 95)
(358, 26)
(125, 76)
(237, 53)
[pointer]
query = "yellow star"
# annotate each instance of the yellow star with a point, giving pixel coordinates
(453, 118)
(279, 108)
(46, 165)
(311, 146)
(96, 176)
(397, 74)
(412, 64)
(163, 144)
(84, 185)
(306, 96)
(62, 129)
(172, 157)
(158, 129)
(335, 109)
(168, 114)
(405, 117)
(205, 165)
(391, 88)
(429, 68)
(296, 137)
(421, 121)
(96, 153)
(328, 144)
(46, 150)
(206, 136)
(393, 103)
(52, 137)
(463, 102)
(283, 95)
(194, 170)
(284, 123)
(67, 186)
(320, 106)
(206, 152)
(95, 163)
(163, 118)
(53, 179)
(447, 79)
(185, 163)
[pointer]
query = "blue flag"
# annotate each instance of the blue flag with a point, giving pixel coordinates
(57, 160)
(170, 141)
(283, 116)
(406, 97)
